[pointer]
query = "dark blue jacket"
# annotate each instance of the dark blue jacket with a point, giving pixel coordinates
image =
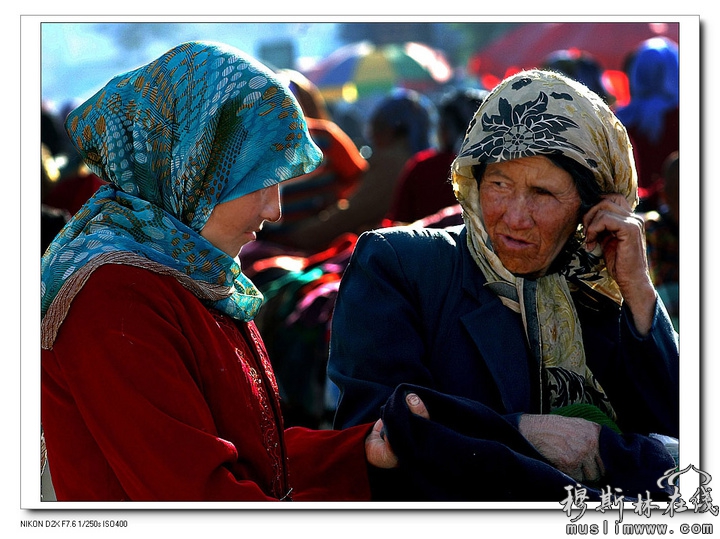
(412, 309)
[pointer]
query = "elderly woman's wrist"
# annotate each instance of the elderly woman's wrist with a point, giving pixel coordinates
(641, 302)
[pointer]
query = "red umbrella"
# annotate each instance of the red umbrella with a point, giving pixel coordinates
(609, 43)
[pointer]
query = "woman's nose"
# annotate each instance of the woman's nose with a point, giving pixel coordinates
(518, 214)
(272, 210)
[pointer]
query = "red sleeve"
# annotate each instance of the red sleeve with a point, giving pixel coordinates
(328, 465)
(126, 411)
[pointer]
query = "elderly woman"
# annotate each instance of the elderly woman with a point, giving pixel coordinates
(155, 382)
(538, 308)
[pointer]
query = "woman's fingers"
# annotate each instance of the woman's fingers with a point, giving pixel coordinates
(610, 218)
(377, 449)
(571, 444)
(416, 405)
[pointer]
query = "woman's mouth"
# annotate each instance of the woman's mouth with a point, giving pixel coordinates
(512, 242)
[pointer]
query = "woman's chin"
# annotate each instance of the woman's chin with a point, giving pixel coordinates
(523, 268)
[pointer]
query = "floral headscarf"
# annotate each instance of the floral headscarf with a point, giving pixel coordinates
(201, 125)
(543, 113)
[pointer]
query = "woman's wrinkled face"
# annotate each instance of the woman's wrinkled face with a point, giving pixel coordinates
(234, 223)
(530, 209)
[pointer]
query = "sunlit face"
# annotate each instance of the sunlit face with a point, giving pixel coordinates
(530, 209)
(234, 223)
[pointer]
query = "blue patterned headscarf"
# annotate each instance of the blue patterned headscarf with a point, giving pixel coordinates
(201, 125)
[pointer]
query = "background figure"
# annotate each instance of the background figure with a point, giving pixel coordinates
(400, 126)
(300, 292)
(52, 133)
(349, 117)
(652, 115)
(424, 186)
(662, 228)
(73, 189)
(582, 67)
(52, 219)
(337, 177)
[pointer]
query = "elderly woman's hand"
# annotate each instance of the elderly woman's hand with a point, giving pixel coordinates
(621, 234)
(571, 444)
(377, 448)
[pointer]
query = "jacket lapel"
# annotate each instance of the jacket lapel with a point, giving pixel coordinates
(500, 340)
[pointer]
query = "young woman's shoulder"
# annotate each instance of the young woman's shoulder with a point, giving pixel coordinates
(110, 279)
(120, 290)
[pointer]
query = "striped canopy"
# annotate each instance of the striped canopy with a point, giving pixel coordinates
(363, 70)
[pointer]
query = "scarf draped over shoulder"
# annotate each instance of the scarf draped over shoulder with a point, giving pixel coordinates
(201, 125)
(543, 113)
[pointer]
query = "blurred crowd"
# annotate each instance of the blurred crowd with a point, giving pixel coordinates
(389, 166)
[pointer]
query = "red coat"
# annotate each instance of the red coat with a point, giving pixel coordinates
(149, 395)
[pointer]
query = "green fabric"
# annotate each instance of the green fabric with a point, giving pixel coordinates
(589, 412)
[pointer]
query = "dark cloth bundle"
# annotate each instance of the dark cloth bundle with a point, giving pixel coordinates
(467, 452)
